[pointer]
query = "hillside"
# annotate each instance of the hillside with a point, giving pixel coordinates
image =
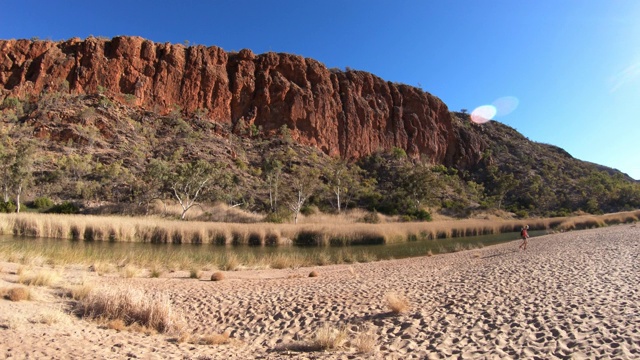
(76, 127)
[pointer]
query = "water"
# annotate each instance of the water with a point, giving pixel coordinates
(65, 251)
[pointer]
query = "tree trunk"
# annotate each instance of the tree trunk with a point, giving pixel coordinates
(18, 198)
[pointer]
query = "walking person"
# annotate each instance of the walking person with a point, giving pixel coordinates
(525, 235)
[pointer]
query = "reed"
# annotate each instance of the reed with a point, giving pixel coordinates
(341, 233)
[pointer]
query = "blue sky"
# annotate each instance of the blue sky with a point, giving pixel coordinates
(572, 67)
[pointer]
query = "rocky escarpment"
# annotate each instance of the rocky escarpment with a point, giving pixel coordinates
(350, 114)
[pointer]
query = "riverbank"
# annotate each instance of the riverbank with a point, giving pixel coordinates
(569, 294)
(330, 231)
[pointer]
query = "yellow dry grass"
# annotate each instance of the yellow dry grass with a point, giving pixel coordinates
(40, 278)
(397, 303)
(132, 307)
(328, 337)
(195, 273)
(317, 230)
(51, 316)
(80, 292)
(365, 341)
(215, 338)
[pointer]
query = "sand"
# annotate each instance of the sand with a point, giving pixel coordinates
(570, 295)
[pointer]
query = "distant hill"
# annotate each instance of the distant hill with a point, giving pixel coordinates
(120, 122)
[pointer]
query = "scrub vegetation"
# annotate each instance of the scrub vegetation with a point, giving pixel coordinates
(98, 154)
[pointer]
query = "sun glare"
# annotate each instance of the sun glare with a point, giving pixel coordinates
(482, 114)
(505, 105)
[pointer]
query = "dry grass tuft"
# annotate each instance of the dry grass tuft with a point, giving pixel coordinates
(116, 324)
(102, 268)
(313, 273)
(51, 317)
(135, 327)
(132, 307)
(195, 273)
(41, 278)
(183, 337)
(217, 276)
(19, 294)
(130, 271)
(11, 321)
(231, 262)
(328, 337)
(81, 292)
(365, 341)
(398, 304)
(216, 339)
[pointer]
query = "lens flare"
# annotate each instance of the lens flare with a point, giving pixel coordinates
(505, 105)
(482, 114)
(626, 76)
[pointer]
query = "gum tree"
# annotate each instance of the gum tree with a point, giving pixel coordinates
(189, 181)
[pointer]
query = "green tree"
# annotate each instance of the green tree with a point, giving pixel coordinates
(21, 169)
(304, 185)
(272, 172)
(502, 183)
(345, 182)
(7, 155)
(421, 184)
(149, 185)
(190, 180)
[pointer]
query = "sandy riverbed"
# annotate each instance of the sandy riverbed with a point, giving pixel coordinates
(570, 295)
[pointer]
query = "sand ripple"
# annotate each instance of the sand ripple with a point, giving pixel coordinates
(571, 295)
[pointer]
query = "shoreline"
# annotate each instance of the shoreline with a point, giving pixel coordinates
(569, 294)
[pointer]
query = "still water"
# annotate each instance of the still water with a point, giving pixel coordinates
(66, 251)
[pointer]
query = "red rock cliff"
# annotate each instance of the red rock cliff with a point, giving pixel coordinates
(351, 114)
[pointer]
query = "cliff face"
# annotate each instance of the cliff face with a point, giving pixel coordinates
(350, 114)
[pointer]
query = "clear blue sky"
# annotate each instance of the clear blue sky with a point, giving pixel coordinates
(571, 66)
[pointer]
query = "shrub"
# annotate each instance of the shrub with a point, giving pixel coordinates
(309, 210)
(371, 218)
(11, 103)
(194, 273)
(217, 276)
(422, 215)
(42, 203)
(398, 153)
(155, 273)
(7, 207)
(277, 217)
(19, 294)
(64, 208)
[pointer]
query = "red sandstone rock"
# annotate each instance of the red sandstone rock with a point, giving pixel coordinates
(350, 114)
